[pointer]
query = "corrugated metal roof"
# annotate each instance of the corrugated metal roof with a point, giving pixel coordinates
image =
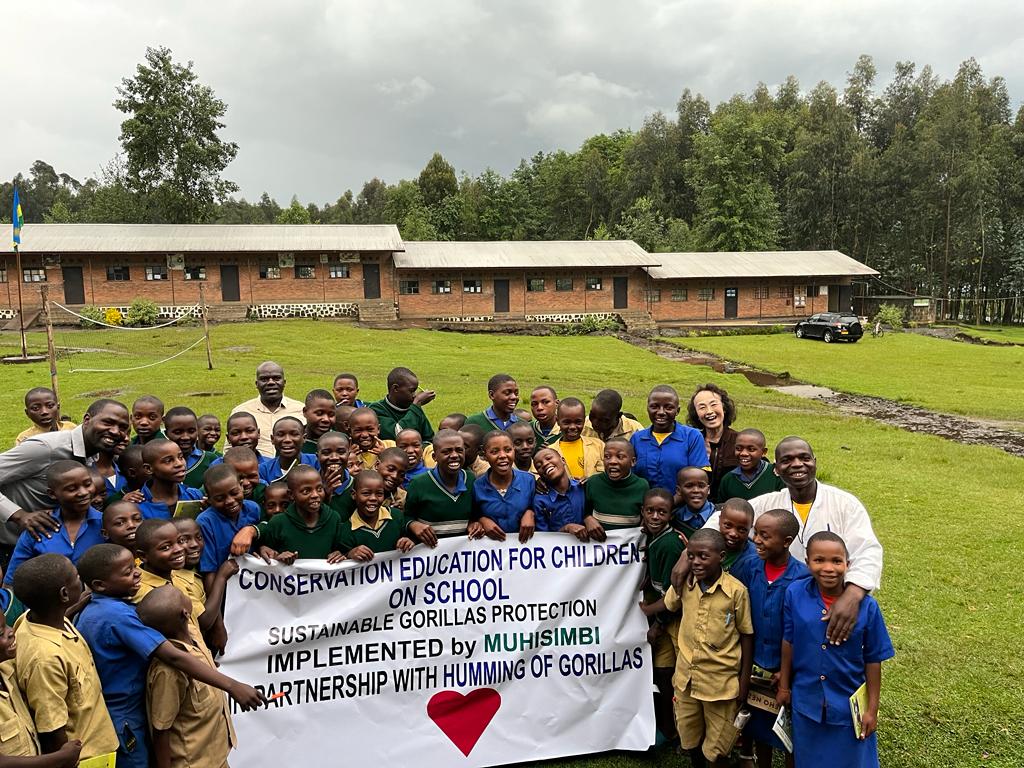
(536, 254)
(183, 238)
(757, 264)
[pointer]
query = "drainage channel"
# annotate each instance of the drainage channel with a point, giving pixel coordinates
(959, 429)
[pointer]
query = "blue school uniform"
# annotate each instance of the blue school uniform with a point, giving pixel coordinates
(58, 543)
(826, 675)
(732, 560)
(688, 520)
(659, 464)
(419, 469)
(116, 483)
(766, 611)
(555, 510)
(500, 423)
(506, 510)
(121, 647)
(218, 532)
(270, 470)
(151, 509)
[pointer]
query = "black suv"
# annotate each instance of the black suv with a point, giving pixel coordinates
(829, 327)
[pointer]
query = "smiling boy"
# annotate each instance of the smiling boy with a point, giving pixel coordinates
(504, 394)
(43, 410)
(666, 446)
(584, 456)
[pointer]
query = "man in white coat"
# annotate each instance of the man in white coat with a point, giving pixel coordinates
(821, 507)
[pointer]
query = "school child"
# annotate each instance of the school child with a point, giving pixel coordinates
(287, 437)
(767, 578)
(755, 475)
(332, 452)
(692, 505)
(318, 411)
(19, 736)
(606, 419)
(560, 507)
(228, 512)
(718, 638)
(246, 463)
(346, 390)
(43, 410)
(439, 503)
(121, 519)
(524, 441)
(391, 466)
(818, 678)
(411, 442)
(308, 528)
(544, 410)
(354, 464)
(504, 394)
(373, 527)
(402, 407)
(503, 495)
(99, 488)
(206, 589)
(364, 431)
(147, 417)
(666, 446)
(243, 429)
(735, 520)
(124, 647)
(190, 719)
(584, 456)
(71, 487)
(190, 536)
(131, 470)
(276, 500)
(182, 427)
(105, 468)
(473, 437)
(342, 414)
(165, 464)
(209, 433)
(615, 497)
(454, 421)
(522, 414)
(663, 548)
(54, 667)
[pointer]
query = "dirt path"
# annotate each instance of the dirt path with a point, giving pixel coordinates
(961, 429)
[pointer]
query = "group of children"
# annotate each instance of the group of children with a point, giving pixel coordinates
(150, 534)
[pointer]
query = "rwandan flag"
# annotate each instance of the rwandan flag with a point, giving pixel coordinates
(17, 219)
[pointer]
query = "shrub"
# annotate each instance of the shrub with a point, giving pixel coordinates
(587, 325)
(91, 317)
(891, 315)
(142, 312)
(113, 316)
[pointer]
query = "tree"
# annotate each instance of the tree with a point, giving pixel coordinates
(642, 224)
(174, 155)
(437, 180)
(295, 213)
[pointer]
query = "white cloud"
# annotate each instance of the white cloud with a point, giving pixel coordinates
(406, 93)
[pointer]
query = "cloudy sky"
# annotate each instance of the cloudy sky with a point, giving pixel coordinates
(324, 94)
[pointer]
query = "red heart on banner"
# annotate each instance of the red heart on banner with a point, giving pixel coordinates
(463, 719)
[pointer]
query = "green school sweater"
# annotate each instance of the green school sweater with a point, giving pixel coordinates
(288, 532)
(341, 500)
(429, 502)
(540, 439)
(615, 503)
(194, 477)
(309, 446)
(732, 486)
(662, 553)
(384, 539)
(393, 420)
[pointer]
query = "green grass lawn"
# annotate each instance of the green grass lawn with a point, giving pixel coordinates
(947, 515)
(934, 373)
(1008, 333)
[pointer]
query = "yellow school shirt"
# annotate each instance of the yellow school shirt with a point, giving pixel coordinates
(396, 500)
(480, 467)
(35, 429)
(624, 429)
(192, 585)
(196, 714)
(17, 731)
(56, 673)
(584, 457)
(151, 581)
(370, 459)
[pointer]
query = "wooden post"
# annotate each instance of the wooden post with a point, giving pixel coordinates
(20, 277)
(51, 351)
(206, 326)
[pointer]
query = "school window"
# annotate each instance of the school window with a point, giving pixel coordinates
(156, 273)
(337, 271)
(594, 284)
(3, 274)
(441, 286)
(472, 286)
(305, 272)
(195, 273)
(653, 295)
(33, 275)
(812, 291)
(680, 294)
(785, 291)
(118, 274)
(409, 287)
(270, 272)
(706, 294)
(761, 292)
(535, 284)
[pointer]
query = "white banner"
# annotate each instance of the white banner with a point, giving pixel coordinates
(475, 653)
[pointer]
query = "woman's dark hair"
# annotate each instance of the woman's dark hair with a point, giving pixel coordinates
(728, 406)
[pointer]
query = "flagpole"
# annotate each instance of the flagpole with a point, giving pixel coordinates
(21, 307)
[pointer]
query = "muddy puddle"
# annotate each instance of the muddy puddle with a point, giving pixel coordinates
(960, 429)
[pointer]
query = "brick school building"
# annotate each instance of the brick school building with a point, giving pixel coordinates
(368, 272)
